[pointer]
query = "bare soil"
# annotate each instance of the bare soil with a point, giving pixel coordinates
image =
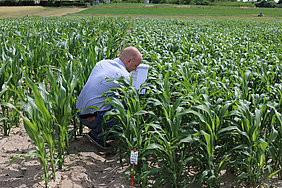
(87, 167)
(23, 11)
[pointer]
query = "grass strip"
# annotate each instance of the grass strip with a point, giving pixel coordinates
(165, 10)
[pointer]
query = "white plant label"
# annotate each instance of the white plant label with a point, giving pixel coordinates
(134, 157)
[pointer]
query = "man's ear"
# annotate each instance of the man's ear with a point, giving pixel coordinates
(128, 61)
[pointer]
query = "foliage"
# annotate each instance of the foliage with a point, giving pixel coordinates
(213, 97)
(44, 65)
(264, 3)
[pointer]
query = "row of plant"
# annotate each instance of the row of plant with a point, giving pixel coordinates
(213, 98)
(213, 103)
(44, 65)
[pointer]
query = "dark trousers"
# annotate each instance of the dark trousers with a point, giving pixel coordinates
(97, 125)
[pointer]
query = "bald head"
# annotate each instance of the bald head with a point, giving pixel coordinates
(131, 57)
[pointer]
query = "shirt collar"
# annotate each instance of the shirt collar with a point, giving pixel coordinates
(120, 62)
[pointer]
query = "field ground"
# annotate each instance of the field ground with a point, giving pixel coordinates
(35, 11)
(87, 168)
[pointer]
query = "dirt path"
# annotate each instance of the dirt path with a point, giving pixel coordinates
(22, 11)
(87, 168)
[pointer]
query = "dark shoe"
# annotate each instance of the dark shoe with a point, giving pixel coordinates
(98, 143)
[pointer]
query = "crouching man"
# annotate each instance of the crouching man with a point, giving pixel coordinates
(96, 85)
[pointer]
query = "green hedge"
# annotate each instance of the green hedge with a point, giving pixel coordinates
(268, 4)
(42, 3)
(17, 3)
(62, 3)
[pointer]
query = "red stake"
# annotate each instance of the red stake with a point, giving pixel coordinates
(133, 169)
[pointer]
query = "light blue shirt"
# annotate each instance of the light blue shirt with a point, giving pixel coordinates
(97, 84)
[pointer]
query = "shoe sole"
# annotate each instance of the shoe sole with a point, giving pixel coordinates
(96, 143)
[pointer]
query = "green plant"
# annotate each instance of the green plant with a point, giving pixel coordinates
(39, 125)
